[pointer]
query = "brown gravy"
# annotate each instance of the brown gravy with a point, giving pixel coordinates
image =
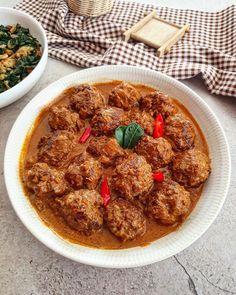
(104, 238)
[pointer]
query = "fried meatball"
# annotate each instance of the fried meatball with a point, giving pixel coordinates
(107, 149)
(157, 151)
(158, 102)
(144, 119)
(42, 179)
(125, 220)
(133, 176)
(191, 168)
(168, 202)
(85, 171)
(54, 148)
(180, 131)
(86, 100)
(82, 210)
(63, 119)
(124, 96)
(106, 120)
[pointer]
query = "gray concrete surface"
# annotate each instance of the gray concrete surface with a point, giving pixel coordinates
(207, 267)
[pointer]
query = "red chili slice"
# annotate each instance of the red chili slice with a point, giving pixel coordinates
(159, 176)
(105, 192)
(158, 126)
(86, 134)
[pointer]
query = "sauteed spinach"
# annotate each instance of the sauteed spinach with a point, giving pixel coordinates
(19, 54)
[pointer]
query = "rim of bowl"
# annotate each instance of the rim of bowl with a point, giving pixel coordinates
(44, 47)
(106, 263)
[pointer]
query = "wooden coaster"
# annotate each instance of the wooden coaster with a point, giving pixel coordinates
(156, 32)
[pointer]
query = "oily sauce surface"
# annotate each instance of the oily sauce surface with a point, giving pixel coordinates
(104, 238)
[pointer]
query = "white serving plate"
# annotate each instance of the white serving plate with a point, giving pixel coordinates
(9, 16)
(201, 218)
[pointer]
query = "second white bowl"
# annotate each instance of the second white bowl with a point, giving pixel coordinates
(9, 16)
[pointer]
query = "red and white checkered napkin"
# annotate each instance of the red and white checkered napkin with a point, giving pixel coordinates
(209, 48)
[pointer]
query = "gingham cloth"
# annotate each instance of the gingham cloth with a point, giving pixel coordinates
(209, 49)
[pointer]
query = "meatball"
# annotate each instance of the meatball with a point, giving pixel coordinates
(191, 168)
(82, 210)
(144, 119)
(63, 119)
(54, 148)
(42, 180)
(133, 176)
(107, 149)
(106, 120)
(86, 100)
(124, 96)
(158, 102)
(157, 151)
(168, 202)
(125, 220)
(84, 171)
(180, 132)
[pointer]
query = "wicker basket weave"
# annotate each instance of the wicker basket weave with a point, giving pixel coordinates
(90, 7)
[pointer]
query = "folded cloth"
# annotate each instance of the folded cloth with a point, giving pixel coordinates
(209, 49)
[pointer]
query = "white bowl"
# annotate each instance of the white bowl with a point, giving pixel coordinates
(205, 212)
(10, 16)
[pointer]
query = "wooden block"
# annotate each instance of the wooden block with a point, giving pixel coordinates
(156, 32)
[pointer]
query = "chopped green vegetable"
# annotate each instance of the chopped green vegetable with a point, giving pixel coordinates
(19, 55)
(128, 136)
(2, 87)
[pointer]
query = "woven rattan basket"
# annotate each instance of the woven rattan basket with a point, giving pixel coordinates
(90, 7)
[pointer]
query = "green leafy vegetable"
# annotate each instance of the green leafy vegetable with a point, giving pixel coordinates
(128, 136)
(2, 87)
(119, 133)
(133, 133)
(19, 46)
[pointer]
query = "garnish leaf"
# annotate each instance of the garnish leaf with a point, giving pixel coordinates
(119, 134)
(133, 133)
(128, 136)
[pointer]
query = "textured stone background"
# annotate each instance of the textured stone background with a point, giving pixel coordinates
(207, 267)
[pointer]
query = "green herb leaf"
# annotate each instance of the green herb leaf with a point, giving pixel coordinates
(133, 133)
(119, 134)
(128, 136)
